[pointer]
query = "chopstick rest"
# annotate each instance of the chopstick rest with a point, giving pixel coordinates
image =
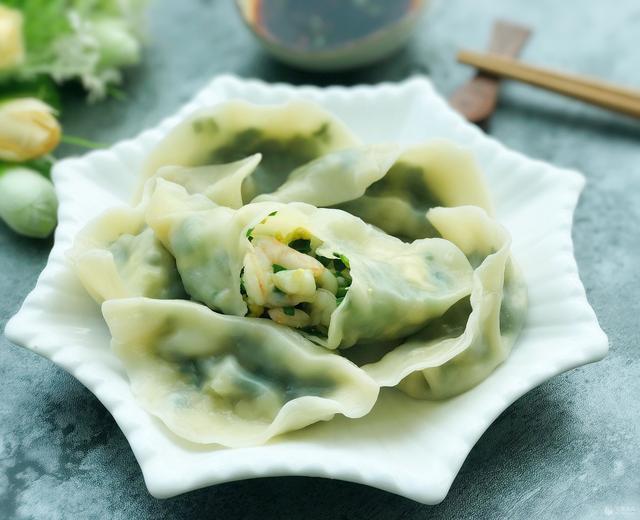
(476, 100)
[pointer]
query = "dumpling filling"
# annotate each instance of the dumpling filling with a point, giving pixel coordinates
(284, 278)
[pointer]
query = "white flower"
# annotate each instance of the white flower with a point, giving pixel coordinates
(28, 129)
(11, 40)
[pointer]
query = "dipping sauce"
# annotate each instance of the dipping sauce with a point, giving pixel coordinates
(318, 25)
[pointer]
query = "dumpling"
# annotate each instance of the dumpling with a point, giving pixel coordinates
(390, 190)
(118, 256)
(220, 183)
(323, 271)
(456, 352)
(430, 175)
(336, 177)
(204, 239)
(286, 135)
(232, 381)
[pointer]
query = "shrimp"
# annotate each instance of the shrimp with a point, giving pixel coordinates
(287, 257)
(257, 277)
(298, 319)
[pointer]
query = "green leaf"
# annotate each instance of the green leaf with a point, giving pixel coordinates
(41, 87)
(341, 262)
(243, 289)
(324, 261)
(345, 261)
(44, 22)
(42, 165)
(341, 292)
(277, 268)
(302, 245)
(105, 39)
(249, 231)
(289, 311)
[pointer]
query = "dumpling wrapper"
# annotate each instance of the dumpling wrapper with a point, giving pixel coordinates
(396, 288)
(390, 190)
(232, 381)
(205, 240)
(336, 177)
(117, 256)
(456, 352)
(220, 183)
(287, 136)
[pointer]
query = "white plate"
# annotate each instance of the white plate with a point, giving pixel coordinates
(412, 448)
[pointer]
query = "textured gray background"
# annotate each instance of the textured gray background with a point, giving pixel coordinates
(569, 449)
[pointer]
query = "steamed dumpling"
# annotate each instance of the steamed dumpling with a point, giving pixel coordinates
(232, 381)
(220, 183)
(434, 174)
(289, 235)
(336, 177)
(286, 135)
(388, 189)
(204, 238)
(118, 256)
(456, 352)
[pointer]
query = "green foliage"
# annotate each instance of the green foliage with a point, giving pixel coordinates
(41, 87)
(44, 22)
(87, 40)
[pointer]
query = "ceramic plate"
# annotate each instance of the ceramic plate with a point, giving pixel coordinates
(412, 448)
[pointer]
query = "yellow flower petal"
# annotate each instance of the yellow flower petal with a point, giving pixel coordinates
(11, 38)
(28, 129)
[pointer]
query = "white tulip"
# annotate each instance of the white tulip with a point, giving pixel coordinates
(11, 38)
(28, 129)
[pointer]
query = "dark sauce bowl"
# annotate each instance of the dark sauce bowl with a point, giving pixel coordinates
(331, 35)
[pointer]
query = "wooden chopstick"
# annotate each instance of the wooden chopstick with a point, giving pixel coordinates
(607, 95)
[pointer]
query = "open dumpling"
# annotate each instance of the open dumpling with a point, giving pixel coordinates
(118, 256)
(227, 380)
(456, 352)
(286, 135)
(322, 271)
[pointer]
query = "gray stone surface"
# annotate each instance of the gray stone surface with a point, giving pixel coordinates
(568, 449)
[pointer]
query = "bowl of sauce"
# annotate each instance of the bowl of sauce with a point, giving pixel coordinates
(330, 35)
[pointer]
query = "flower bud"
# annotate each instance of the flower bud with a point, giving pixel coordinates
(118, 47)
(28, 202)
(28, 129)
(11, 39)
